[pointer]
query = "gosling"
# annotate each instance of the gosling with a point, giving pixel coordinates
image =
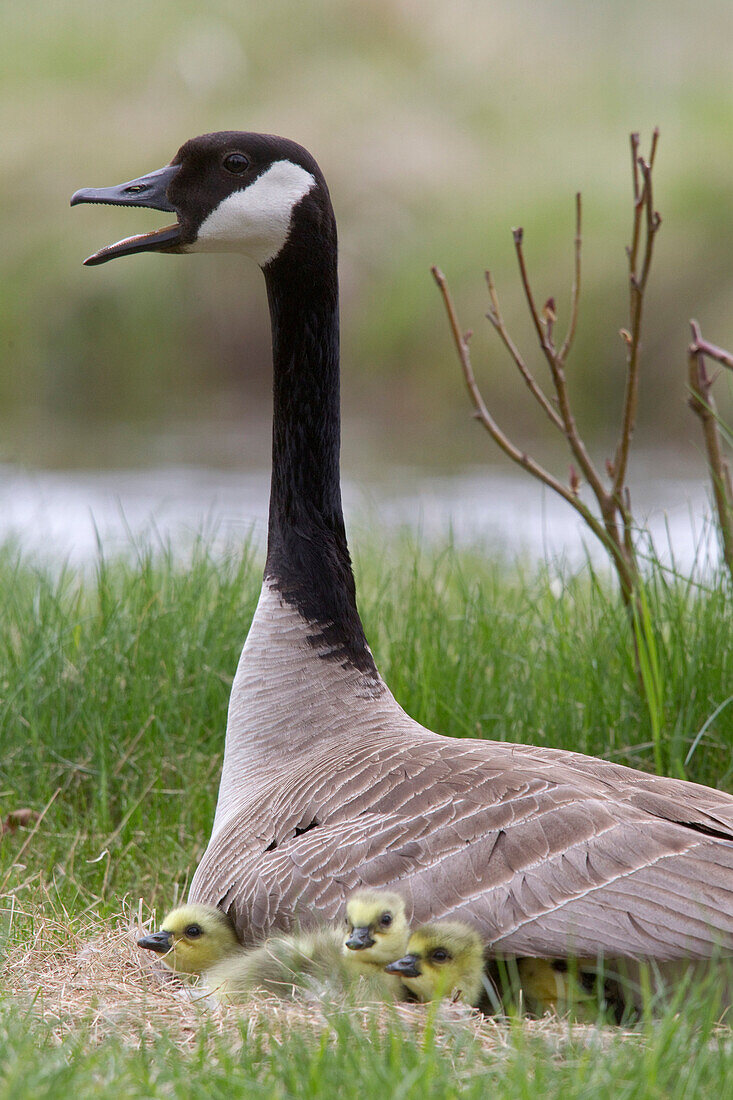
(376, 934)
(194, 938)
(554, 985)
(376, 929)
(200, 939)
(444, 959)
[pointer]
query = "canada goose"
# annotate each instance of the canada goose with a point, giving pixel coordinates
(285, 963)
(327, 784)
(443, 959)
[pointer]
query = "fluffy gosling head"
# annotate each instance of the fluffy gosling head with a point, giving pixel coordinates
(193, 938)
(376, 927)
(443, 959)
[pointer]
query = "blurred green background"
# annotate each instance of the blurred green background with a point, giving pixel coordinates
(439, 126)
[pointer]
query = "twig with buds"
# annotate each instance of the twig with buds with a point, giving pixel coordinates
(614, 524)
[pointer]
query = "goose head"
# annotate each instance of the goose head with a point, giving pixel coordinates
(231, 192)
(442, 959)
(193, 938)
(376, 926)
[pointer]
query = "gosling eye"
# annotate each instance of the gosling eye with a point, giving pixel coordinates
(236, 163)
(385, 920)
(440, 955)
(192, 931)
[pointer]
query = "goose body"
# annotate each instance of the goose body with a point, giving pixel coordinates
(327, 784)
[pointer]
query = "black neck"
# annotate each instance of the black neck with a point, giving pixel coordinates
(307, 555)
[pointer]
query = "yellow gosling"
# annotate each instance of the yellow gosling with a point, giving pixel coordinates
(443, 959)
(376, 934)
(284, 964)
(200, 939)
(193, 938)
(575, 988)
(376, 928)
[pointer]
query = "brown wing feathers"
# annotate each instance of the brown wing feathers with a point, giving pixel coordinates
(543, 852)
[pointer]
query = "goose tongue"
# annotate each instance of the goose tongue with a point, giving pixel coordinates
(147, 191)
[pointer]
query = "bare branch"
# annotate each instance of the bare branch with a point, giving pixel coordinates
(712, 351)
(633, 249)
(614, 526)
(627, 524)
(653, 149)
(569, 427)
(460, 340)
(634, 140)
(549, 316)
(653, 222)
(497, 320)
(644, 213)
(702, 404)
(575, 291)
(518, 235)
(569, 493)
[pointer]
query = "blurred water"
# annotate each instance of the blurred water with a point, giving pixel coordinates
(66, 516)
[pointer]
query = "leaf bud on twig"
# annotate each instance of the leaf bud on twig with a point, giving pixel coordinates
(574, 480)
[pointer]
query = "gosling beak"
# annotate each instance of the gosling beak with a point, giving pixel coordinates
(150, 191)
(359, 939)
(161, 942)
(408, 966)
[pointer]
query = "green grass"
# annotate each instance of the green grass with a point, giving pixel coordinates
(674, 1060)
(113, 696)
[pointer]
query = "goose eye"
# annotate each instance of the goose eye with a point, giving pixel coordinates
(236, 163)
(192, 931)
(440, 954)
(385, 920)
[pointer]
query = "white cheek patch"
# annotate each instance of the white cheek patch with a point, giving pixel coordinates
(256, 220)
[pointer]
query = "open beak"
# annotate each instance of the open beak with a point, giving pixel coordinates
(151, 191)
(161, 942)
(408, 966)
(359, 939)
